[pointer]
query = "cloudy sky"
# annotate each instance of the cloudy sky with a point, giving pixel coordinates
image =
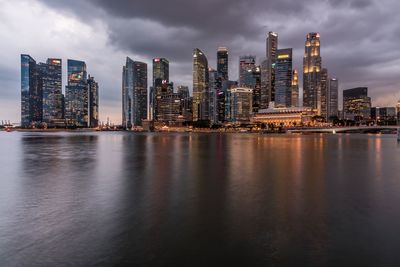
(359, 39)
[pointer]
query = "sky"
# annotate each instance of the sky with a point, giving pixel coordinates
(359, 40)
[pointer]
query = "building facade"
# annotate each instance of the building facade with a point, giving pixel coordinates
(222, 64)
(356, 104)
(200, 86)
(333, 98)
(239, 104)
(283, 78)
(324, 102)
(295, 89)
(160, 77)
(134, 93)
(271, 53)
(31, 93)
(247, 65)
(312, 73)
(93, 88)
(76, 95)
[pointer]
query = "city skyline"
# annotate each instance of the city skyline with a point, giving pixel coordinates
(107, 58)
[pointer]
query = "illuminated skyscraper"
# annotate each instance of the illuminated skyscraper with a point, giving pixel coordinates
(31, 92)
(93, 88)
(333, 100)
(295, 89)
(272, 47)
(264, 67)
(76, 95)
(312, 73)
(247, 65)
(283, 78)
(213, 92)
(50, 79)
(200, 86)
(222, 63)
(160, 77)
(324, 94)
(134, 93)
(239, 103)
(356, 104)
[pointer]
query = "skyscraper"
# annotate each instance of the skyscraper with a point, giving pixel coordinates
(333, 98)
(213, 93)
(283, 78)
(134, 93)
(312, 73)
(295, 89)
(200, 86)
(247, 65)
(76, 95)
(50, 79)
(160, 78)
(324, 106)
(356, 104)
(271, 49)
(93, 88)
(239, 102)
(31, 93)
(222, 63)
(264, 67)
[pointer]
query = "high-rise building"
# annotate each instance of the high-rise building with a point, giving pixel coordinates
(283, 78)
(160, 77)
(264, 68)
(134, 93)
(93, 88)
(239, 104)
(333, 98)
(76, 95)
(186, 105)
(200, 86)
(324, 94)
(271, 49)
(213, 93)
(222, 63)
(295, 89)
(31, 93)
(398, 112)
(247, 65)
(312, 73)
(50, 80)
(356, 104)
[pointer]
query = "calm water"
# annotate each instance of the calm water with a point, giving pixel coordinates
(199, 200)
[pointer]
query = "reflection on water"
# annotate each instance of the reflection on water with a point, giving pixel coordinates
(199, 199)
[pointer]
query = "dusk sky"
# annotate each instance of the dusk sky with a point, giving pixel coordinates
(359, 40)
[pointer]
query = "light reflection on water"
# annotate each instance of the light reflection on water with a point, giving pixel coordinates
(198, 199)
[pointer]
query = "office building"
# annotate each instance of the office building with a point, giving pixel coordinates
(356, 104)
(200, 86)
(222, 64)
(213, 93)
(93, 88)
(271, 50)
(76, 95)
(312, 73)
(324, 94)
(186, 104)
(264, 68)
(160, 77)
(283, 78)
(134, 93)
(31, 93)
(239, 104)
(295, 89)
(333, 98)
(247, 65)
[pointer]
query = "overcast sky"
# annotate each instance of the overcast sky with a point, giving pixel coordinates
(359, 39)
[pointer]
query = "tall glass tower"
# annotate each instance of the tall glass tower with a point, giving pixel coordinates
(134, 93)
(76, 95)
(200, 86)
(222, 63)
(93, 88)
(271, 49)
(31, 93)
(283, 78)
(160, 78)
(312, 73)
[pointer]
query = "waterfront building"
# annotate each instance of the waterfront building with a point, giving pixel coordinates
(200, 86)
(288, 117)
(134, 93)
(160, 77)
(356, 104)
(50, 81)
(239, 104)
(324, 94)
(295, 89)
(31, 93)
(76, 95)
(283, 78)
(213, 93)
(384, 115)
(312, 73)
(186, 104)
(264, 80)
(222, 63)
(271, 52)
(333, 98)
(93, 88)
